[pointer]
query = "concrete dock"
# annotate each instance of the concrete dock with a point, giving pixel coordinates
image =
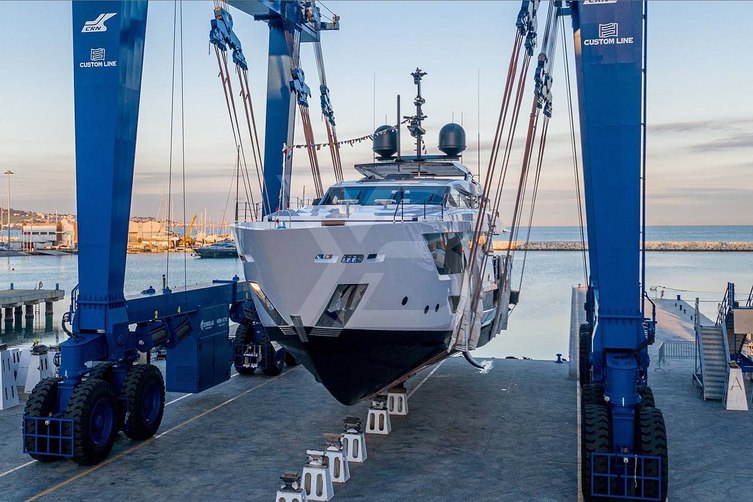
(16, 304)
(510, 434)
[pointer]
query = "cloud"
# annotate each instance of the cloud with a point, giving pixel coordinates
(698, 126)
(737, 141)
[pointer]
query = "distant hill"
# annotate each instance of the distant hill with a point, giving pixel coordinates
(20, 216)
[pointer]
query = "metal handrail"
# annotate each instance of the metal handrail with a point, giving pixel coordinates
(749, 303)
(698, 373)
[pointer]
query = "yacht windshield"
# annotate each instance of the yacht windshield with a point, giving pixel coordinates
(380, 195)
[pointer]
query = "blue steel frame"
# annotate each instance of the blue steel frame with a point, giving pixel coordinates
(290, 24)
(609, 61)
(108, 50)
(620, 475)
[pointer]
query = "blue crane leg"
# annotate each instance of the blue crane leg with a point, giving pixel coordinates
(608, 48)
(108, 50)
(107, 86)
(280, 123)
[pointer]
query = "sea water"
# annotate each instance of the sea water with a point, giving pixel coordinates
(539, 324)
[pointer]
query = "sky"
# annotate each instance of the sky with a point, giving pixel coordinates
(700, 141)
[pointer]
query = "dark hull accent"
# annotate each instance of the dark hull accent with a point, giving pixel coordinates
(207, 252)
(358, 363)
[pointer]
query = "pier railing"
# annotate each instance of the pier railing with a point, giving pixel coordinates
(675, 349)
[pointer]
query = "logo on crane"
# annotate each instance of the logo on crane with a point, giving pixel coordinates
(608, 30)
(609, 34)
(98, 24)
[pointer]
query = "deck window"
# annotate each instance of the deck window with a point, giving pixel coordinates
(449, 251)
(381, 195)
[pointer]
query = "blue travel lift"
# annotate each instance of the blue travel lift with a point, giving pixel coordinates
(101, 389)
(624, 442)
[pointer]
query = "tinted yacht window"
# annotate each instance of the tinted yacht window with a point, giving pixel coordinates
(379, 195)
(448, 250)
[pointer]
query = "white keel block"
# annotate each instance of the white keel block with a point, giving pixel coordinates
(336, 459)
(735, 397)
(290, 489)
(317, 483)
(397, 401)
(23, 366)
(39, 368)
(354, 440)
(9, 396)
(378, 419)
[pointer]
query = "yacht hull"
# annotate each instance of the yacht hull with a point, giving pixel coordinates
(359, 363)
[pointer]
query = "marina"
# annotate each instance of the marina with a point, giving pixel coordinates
(534, 291)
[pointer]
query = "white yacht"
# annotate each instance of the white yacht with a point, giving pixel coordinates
(373, 281)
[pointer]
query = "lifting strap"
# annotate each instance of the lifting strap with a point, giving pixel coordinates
(329, 114)
(221, 35)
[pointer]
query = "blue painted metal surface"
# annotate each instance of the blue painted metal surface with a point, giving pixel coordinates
(56, 440)
(609, 60)
(222, 35)
(625, 477)
(290, 24)
(108, 45)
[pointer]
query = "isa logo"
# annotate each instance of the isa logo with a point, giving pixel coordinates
(98, 24)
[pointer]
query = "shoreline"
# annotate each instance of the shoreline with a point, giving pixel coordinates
(690, 246)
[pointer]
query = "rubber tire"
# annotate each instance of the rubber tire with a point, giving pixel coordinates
(80, 408)
(584, 353)
(595, 438)
(271, 366)
(102, 371)
(136, 425)
(653, 441)
(290, 360)
(592, 394)
(242, 337)
(41, 403)
(647, 397)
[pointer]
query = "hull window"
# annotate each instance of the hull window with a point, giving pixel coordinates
(448, 251)
(341, 306)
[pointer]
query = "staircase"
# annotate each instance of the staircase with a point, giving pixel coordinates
(713, 358)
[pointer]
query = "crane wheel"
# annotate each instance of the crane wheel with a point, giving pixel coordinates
(584, 354)
(595, 438)
(273, 357)
(653, 442)
(41, 403)
(93, 411)
(242, 339)
(144, 392)
(647, 397)
(103, 371)
(592, 393)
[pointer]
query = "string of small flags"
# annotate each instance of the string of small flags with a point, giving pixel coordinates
(348, 142)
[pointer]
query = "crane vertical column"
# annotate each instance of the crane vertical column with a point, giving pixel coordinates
(108, 51)
(619, 417)
(280, 124)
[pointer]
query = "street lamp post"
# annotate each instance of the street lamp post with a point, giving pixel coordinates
(9, 173)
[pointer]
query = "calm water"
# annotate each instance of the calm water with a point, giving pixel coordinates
(538, 326)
